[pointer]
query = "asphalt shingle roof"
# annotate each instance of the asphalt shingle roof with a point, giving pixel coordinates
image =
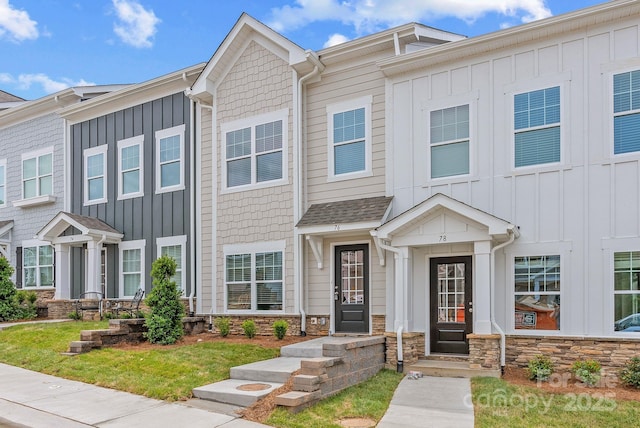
(352, 211)
(92, 223)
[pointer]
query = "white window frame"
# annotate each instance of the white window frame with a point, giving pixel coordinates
(172, 241)
(253, 249)
(612, 150)
(93, 151)
(365, 102)
(123, 144)
(34, 243)
(3, 181)
(31, 155)
(252, 122)
(166, 133)
(139, 244)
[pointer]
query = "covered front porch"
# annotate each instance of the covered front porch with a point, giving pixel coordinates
(441, 280)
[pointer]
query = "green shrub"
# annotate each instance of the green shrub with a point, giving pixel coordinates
(75, 315)
(249, 328)
(14, 304)
(164, 324)
(223, 324)
(588, 371)
(280, 328)
(540, 368)
(630, 374)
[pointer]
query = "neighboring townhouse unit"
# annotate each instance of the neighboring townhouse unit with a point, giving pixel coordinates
(462, 196)
(130, 190)
(32, 181)
(8, 100)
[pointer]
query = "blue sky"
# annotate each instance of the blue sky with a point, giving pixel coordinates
(47, 45)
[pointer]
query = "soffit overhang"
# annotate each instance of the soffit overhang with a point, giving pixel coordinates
(88, 227)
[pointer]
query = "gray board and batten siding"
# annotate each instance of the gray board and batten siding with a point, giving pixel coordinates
(147, 217)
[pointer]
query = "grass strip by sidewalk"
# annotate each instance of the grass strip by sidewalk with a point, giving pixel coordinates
(166, 373)
(500, 404)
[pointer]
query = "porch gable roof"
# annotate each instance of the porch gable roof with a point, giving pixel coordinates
(88, 226)
(366, 212)
(497, 227)
(5, 226)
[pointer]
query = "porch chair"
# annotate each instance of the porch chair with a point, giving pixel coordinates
(133, 304)
(89, 301)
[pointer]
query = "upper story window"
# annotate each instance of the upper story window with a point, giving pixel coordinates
(176, 248)
(255, 151)
(37, 174)
(626, 291)
(349, 135)
(130, 167)
(95, 175)
(626, 112)
(170, 159)
(449, 135)
(537, 127)
(3, 182)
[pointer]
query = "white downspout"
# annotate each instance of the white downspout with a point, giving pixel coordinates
(298, 243)
(192, 202)
(513, 234)
(400, 356)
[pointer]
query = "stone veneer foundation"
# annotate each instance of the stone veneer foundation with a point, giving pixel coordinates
(611, 353)
(484, 351)
(412, 348)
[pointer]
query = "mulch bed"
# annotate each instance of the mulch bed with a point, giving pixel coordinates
(563, 383)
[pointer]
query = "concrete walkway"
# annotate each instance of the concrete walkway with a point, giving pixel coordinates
(31, 399)
(438, 402)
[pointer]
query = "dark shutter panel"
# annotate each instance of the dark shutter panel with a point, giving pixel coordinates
(18, 267)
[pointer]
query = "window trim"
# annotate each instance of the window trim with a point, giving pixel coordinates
(31, 243)
(611, 123)
(610, 313)
(93, 151)
(3, 177)
(252, 122)
(31, 155)
(131, 245)
(253, 249)
(123, 144)
(171, 241)
(365, 102)
(178, 130)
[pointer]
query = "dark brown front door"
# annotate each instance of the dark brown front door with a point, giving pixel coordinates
(451, 305)
(351, 290)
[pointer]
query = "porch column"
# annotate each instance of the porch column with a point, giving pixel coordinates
(482, 288)
(62, 279)
(93, 266)
(402, 288)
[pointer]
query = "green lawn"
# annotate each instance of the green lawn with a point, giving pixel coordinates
(500, 404)
(167, 373)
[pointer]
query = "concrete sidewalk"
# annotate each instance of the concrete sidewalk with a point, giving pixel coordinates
(438, 402)
(31, 399)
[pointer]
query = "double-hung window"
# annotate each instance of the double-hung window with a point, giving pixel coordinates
(130, 167)
(132, 267)
(176, 248)
(254, 280)
(626, 294)
(449, 135)
(95, 175)
(37, 174)
(626, 112)
(255, 151)
(37, 265)
(349, 135)
(3, 182)
(537, 292)
(537, 127)
(170, 159)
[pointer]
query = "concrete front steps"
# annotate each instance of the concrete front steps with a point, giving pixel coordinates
(449, 366)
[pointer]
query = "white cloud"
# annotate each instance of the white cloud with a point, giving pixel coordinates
(371, 15)
(16, 24)
(26, 81)
(335, 39)
(137, 25)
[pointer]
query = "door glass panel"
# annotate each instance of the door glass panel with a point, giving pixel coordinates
(352, 277)
(451, 284)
